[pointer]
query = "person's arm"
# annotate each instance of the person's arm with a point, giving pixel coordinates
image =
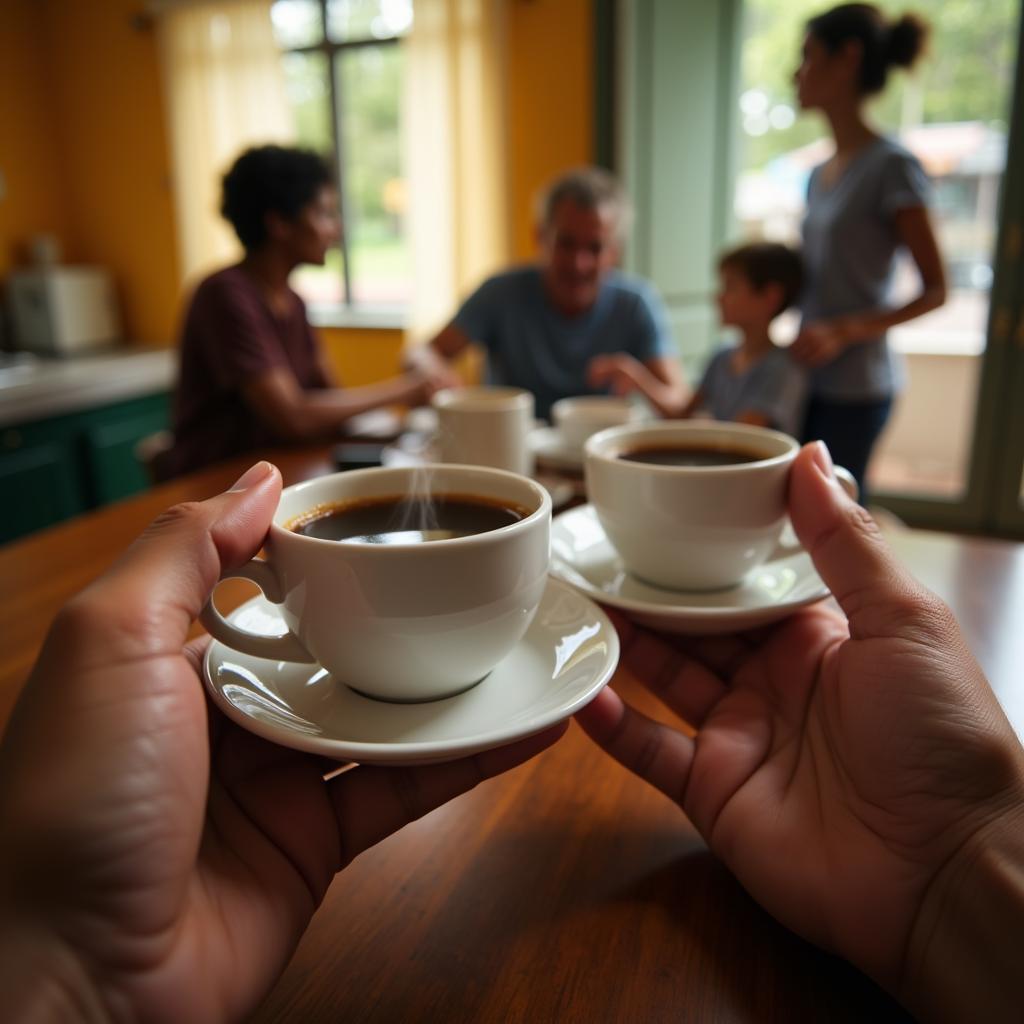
(821, 341)
(668, 390)
(295, 414)
(450, 342)
(652, 347)
(914, 228)
(659, 380)
(693, 406)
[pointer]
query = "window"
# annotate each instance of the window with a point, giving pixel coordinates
(343, 63)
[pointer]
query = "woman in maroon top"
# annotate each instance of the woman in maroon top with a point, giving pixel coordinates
(252, 374)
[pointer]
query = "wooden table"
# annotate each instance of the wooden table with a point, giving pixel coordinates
(565, 890)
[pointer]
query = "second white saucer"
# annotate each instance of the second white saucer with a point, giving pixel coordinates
(582, 556)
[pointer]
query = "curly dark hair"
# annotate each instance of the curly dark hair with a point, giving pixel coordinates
(267, 179)
(884, 44)
(765, 263)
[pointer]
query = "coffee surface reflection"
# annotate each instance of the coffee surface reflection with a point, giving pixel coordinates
(692, 455)
(406, 519)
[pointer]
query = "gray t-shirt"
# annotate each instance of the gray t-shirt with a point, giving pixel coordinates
(531, 345)
(775, 386)
(849, 244)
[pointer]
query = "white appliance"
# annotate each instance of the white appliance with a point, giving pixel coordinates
(61, 310)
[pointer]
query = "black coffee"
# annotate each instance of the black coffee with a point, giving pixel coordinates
(691, 455)
(407, 520)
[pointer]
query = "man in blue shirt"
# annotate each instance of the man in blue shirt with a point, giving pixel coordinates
(541, 325)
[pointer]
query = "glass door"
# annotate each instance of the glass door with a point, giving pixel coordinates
(942, 459)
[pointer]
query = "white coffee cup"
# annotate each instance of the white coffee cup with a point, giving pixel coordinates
(579, 417)
(690, 527)
(400, 621)
(485, 426)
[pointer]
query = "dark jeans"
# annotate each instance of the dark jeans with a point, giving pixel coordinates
(850, 429)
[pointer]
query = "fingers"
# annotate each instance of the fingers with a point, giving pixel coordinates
(658, 754)
(599, 369)
(879, 597)
(372, 802)
(685, 684)
(145, 604)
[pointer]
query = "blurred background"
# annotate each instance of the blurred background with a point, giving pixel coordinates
(443, 119)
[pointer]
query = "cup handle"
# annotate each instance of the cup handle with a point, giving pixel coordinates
(286, 647)
(788, 542)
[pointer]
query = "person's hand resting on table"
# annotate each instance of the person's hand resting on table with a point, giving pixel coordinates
(158, 862)
(858, 777)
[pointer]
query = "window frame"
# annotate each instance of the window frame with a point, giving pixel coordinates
(329, 314)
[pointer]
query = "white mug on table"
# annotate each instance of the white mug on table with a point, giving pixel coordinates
(485, 426)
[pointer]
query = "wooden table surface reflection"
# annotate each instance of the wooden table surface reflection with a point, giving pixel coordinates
(566, 889)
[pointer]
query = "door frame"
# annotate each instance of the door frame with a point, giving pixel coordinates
(991, 503)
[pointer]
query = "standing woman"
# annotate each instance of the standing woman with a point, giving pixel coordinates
(865, 202)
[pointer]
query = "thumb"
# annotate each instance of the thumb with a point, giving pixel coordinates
(878, 595)
(148, 601)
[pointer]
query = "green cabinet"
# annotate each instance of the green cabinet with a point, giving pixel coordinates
(55, 468)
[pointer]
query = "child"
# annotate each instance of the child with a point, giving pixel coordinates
(754, 382)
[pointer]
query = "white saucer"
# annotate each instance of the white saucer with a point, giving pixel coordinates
(550, 448)
(567, 655)
(582, 555)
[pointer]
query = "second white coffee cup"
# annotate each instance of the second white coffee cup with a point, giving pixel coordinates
(691, 504)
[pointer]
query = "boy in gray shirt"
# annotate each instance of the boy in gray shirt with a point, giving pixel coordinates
(755, 381)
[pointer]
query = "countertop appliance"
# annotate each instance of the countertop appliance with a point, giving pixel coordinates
(63, 309)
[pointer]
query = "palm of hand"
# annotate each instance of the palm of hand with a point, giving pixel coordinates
(164, 865)
(804, 783)
(191, 854)
(198, 935)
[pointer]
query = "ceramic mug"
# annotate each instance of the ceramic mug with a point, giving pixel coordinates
(692, 527)
(400, 621)
(581, 416)
(485, 426)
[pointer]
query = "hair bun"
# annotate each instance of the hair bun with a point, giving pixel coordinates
(905, 41)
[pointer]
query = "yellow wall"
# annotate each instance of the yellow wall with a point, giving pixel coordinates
(551, 102)
(84, 149)
(30, 159)
(111, 123)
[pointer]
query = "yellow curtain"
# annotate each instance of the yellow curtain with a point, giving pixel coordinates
(454, 120)
(225, 90)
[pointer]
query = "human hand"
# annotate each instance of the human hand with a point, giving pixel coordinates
(821, 342)
(429, 373)
(847, 772)
(439, 375)
(158, 862)
(618, 372)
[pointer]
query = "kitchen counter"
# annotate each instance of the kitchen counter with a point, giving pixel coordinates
(34, 388)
